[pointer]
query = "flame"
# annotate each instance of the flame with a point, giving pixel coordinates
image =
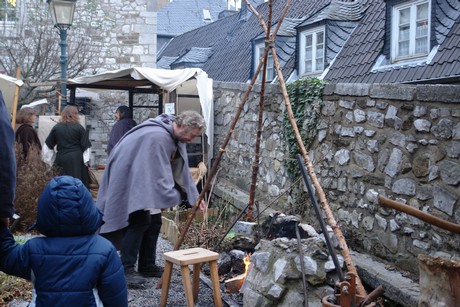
(247, 262)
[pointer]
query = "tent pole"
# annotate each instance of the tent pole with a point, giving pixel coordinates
(16, 98)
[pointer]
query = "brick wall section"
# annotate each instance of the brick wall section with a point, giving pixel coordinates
(397, 141)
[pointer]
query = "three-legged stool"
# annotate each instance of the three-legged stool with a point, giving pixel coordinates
(184, 258)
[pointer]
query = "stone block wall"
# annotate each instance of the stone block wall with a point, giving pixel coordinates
(398, 141)
(130, 40)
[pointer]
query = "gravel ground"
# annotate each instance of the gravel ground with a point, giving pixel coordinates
(150, 295)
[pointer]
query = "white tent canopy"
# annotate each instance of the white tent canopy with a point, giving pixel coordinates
(169, 80)
(8, 86)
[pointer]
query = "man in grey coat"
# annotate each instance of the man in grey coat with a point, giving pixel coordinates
(146, 172)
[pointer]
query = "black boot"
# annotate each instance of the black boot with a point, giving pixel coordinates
(133, 279)
(151, 271)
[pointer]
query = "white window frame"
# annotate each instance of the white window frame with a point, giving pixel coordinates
(395, 33)
(303, 38)
(258, 53)
(13, 8)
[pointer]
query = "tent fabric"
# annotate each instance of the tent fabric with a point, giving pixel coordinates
(8, 86)
(168, 80)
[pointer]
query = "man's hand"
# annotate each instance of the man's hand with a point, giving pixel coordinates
(202, 206)
(5, 221)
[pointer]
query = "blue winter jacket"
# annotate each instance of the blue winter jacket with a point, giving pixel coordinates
(70, 265)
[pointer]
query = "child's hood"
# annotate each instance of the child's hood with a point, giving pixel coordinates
(66, 208)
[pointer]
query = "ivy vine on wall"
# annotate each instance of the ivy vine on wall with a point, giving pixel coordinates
(306, 100)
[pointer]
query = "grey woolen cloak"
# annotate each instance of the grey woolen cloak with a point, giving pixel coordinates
(139, 175)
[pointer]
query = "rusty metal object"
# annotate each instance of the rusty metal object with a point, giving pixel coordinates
(347, 296)
(375, 294)
(426, 217)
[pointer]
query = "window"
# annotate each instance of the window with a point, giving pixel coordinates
(207, 15)
(410, 30)
(259, 52)
(8, 11)
(312, 51)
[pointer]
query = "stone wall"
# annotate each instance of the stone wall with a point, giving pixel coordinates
(397, 141)
(132, 42)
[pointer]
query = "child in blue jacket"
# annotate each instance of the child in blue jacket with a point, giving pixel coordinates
(70, 265)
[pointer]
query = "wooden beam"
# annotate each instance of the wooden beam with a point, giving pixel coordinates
(16, 97)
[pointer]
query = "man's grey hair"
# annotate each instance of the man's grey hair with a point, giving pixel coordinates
(191, 120)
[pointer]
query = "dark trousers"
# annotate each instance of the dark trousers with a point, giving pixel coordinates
(140, 239)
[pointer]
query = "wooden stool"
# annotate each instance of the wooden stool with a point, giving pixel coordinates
(184, 258)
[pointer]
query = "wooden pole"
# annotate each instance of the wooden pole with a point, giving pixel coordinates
(255, 165)
(426, 217)
(16, 98)
(311, 172)
(215, 165)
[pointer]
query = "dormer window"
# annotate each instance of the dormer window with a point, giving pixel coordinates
(258, 53)
(312, 51)
(410, 37)
(207, 16)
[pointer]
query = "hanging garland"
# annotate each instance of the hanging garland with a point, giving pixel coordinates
(306, 100)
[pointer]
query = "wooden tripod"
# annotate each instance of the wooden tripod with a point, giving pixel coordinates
(270, 47)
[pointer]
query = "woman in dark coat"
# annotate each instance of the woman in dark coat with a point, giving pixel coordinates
(71, 140)
(124, 123)
(26, 136)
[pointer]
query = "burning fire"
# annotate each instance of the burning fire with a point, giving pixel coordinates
(234, 284)
(247, 262)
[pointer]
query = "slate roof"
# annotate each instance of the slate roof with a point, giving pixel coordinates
(181, 16)
(231, 39)
(355, 43)
(356, 63)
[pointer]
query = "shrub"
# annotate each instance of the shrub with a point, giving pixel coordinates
(32, 177)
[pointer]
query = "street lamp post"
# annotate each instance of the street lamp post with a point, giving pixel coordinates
(62, 12)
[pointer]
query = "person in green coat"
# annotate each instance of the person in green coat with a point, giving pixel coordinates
(71, 141)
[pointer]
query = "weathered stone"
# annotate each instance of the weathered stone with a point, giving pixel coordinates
(329, 266)
(422, 125)
(449, 172)
(347, 104)
(390, 241)
(254, 299)
(456, 132)
(404, 186)
(291, 299)
(342, 156)
(394, 226)
(422, 245)
(349, 117)
(375, 119)
(261, 260)
(444, 200)
(359, 115)
(363, 160)
(398, 139)
(373, 146)
(419, 111)
(453, 150)
(369, 133)
(368, 223)
(381, 222)
(372, 196)
(224, 263)
(443, 130)
(394, 163)
(276, 292)
(420, 165)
